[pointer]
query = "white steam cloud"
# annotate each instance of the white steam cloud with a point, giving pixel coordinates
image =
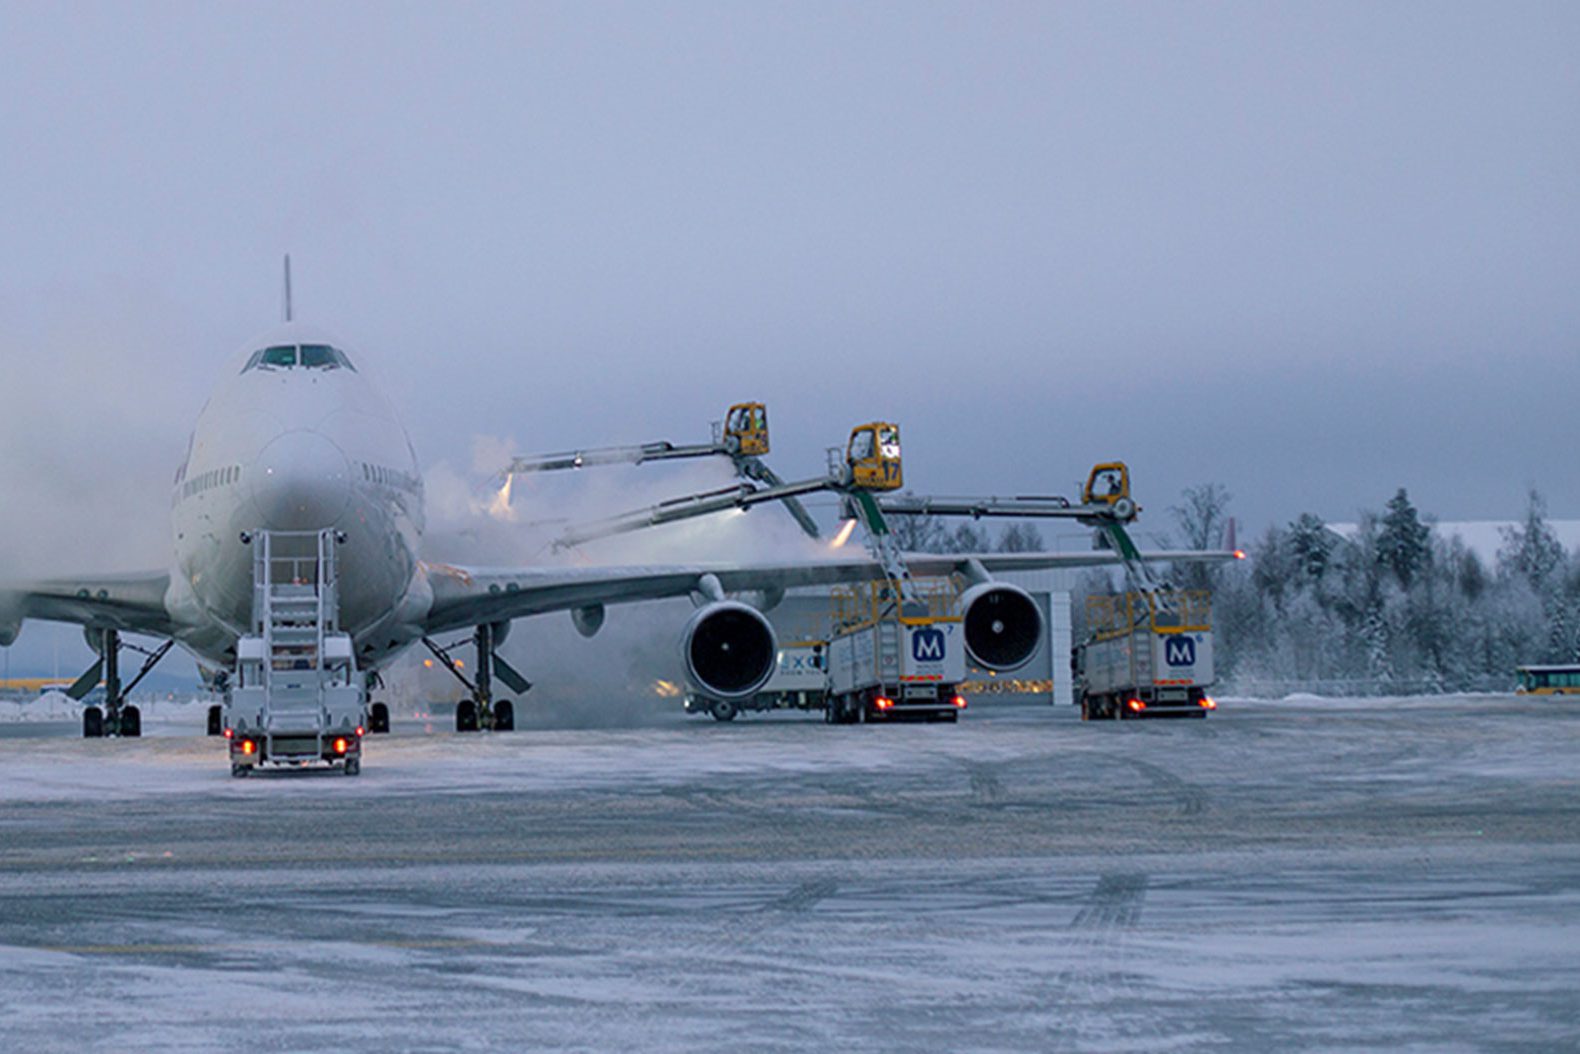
(626, 674)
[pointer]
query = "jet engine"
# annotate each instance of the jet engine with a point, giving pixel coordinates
(8, 632)
(730, 649)
(1002, 625)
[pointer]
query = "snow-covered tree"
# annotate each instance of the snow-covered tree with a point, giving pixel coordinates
(1310, 545)
(1020, 537)
(1532, 550)
(1402, 540)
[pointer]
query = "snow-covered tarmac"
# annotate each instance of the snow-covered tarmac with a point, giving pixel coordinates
(1293, 876)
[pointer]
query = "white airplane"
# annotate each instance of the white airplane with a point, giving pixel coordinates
(297, 438)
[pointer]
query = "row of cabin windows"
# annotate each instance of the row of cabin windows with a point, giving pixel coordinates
(390, 477)
(309, 356)
(218, 477)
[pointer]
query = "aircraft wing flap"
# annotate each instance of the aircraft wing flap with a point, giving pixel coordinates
(134, 603)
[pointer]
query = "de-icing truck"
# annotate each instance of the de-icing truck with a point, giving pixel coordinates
(1146, 654)
(891, 658)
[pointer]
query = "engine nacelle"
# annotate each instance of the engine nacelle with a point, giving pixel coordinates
(9, 632)
(588, 620)
(730, 650)
(1002, 625)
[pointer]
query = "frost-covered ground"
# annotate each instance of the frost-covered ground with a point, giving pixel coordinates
(1305, 875)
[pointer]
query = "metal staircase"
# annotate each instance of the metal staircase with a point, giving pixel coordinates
(295, 606)
(297, 696)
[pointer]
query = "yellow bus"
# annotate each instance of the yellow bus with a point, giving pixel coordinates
(1548, 680)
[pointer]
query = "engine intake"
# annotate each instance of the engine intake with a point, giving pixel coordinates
(1002, 625)
(729, 649)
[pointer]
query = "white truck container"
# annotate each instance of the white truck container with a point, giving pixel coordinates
(798, 682)
(890, 659)
(1146, 655)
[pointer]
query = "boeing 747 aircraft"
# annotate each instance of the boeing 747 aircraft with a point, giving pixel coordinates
(296, 438)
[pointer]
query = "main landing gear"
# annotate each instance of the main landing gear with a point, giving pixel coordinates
(480, 711)
(117, 717)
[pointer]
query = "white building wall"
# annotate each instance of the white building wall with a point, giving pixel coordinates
(1059, 643)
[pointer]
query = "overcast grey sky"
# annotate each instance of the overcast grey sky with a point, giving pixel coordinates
(1310, 251)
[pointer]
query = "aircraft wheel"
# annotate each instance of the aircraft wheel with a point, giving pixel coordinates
(466, 716)
(92, 723)
(723, 710)
(379, 718)
(131, 722)
(216, 720)
(504, 716)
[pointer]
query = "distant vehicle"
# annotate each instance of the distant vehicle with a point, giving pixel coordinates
(1548, 680)
(798, 683)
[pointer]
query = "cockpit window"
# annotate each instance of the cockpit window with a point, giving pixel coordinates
(311, 356)
(320, 356)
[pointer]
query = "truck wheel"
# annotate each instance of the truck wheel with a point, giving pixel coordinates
(723, 710)
(239, 771)
(353, 767)
(92, 723)
(216, 720)
(131, 722)
(504, 716)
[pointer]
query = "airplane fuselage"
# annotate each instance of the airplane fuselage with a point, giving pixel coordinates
(298, 439)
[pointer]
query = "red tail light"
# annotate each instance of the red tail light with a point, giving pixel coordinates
(1137, 705)
(361, 732)
(960, 702)
(230, 733)
(884, 703)
(248, 746)
(340, 745)
(1209, 703)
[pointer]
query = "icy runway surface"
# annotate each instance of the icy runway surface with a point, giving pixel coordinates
(1292, 876)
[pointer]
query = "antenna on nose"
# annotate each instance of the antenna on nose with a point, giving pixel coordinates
(287, 287)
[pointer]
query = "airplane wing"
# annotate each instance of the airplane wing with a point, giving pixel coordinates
(134, 603)
(466, 597)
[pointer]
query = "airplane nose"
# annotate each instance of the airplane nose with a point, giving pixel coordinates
(301, 482)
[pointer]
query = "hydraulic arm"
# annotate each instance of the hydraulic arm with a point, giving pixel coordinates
(742, 437)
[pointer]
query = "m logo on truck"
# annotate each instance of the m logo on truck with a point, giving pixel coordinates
(1179, 651)
(927, 645)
